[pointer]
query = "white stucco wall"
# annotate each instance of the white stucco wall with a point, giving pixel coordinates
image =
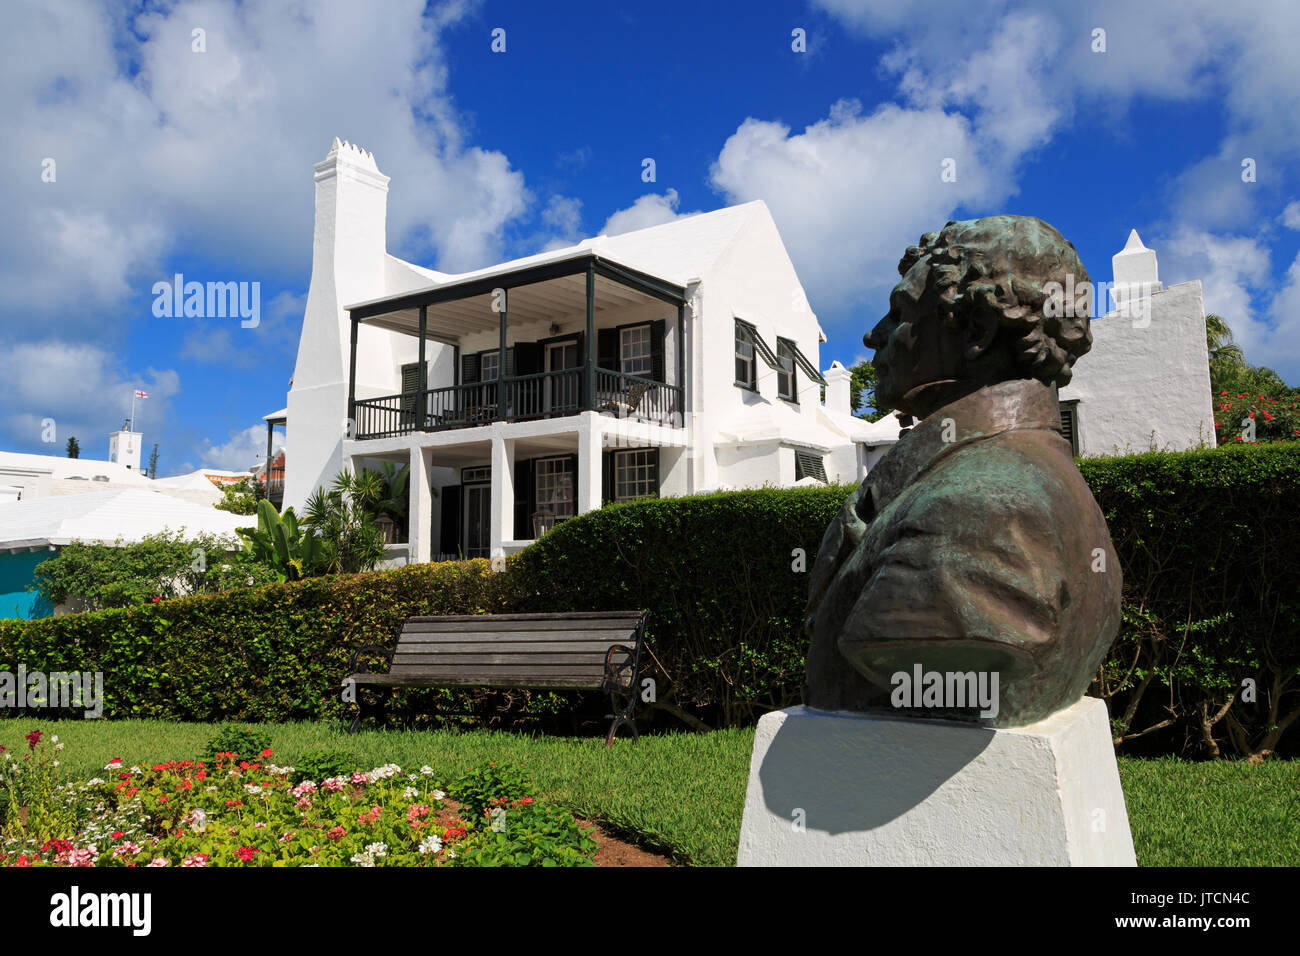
(1146, 385)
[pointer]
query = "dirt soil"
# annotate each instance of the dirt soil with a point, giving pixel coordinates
(611, 851)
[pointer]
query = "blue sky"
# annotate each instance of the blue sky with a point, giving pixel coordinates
(171, 160)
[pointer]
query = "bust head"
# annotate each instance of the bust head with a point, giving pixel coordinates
(969, 312)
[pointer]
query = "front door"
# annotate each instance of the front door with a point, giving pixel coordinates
(562, 390)
(478, 521)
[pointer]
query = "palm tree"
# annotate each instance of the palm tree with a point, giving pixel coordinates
(1227, 360)
(344, 520)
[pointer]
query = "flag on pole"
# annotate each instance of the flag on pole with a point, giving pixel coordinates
(140, 394)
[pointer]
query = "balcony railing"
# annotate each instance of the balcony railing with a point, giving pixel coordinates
(542, 395)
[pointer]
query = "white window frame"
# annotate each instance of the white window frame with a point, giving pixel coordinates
(625, 360)
(645, 474)
(495, 355)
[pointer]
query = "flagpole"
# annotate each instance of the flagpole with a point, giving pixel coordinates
(132, 425)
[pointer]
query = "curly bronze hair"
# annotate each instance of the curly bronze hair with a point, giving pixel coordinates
(1002, 266)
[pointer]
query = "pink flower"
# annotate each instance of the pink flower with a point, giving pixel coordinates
(159, 861)
(245, 853)
(198, 859)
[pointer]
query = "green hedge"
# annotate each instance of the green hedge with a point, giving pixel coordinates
(270, 653)
(1207, 542)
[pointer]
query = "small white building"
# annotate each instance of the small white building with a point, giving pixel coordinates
(33, 530)
(664, 361)
(1145, 384)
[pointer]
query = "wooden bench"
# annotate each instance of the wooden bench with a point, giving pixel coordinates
(583, 650)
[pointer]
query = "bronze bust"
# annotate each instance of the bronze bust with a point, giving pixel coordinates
(974, 547)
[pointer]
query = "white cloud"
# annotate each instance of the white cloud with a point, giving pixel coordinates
(1235, 274)
(652, 209)
(1291, 215)
(82, 388)
(243, 450)
(851, 192)
(214, 149)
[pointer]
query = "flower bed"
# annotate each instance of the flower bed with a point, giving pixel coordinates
(239, 812)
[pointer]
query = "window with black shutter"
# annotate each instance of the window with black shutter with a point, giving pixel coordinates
(786, 386)
(410, 391)
(808, 465)
(1070, 425)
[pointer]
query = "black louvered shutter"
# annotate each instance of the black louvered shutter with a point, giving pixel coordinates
(469, 368)
(449, 536)
(528, 358)
(525, 498)
(657, 350)
(582, 364)
(607, 476)
(607, 350)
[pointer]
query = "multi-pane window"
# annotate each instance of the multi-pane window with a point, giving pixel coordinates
(555, 487)
(635, 475)
(785, 381)
(744, 356)
(634, 351)
(490, 367)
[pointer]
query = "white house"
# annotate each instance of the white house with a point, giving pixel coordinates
(669, 360)
(1145, 384)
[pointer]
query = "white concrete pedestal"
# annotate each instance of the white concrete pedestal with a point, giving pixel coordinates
(851, 790)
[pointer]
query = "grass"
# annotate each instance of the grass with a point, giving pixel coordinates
(683, 794)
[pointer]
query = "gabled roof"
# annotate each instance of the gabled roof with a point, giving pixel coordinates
(105, 516)
(678, 251)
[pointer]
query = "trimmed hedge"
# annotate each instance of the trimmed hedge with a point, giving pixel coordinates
(1207, 542)
(271, 653)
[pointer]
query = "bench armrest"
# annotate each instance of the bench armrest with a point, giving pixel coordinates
(369, 648)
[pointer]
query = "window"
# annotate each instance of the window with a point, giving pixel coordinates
(744, 356)
(1070, 425)
(489, 366)
(785, 379)
(635, 357)
(555, 487)
(636, 475)
(808, 465)
(477, 474)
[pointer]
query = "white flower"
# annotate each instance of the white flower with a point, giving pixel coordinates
(252, 789)
(377, 849)
(158, 861)
(197, 819)
(426, 771)
(410, 793)
(498, 820)
(431, 844)
(438, 795)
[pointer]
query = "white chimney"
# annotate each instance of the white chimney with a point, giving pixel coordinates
(1135, 269)
(348, 266)
(839, 388)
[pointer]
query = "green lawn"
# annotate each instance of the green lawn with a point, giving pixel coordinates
(683, 794)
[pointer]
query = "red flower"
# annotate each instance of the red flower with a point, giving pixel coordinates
(245, 853)
(34, 738)
(156, 599)
(266, 752)
(117, 835)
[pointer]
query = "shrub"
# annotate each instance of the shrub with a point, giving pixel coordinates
(159, 567)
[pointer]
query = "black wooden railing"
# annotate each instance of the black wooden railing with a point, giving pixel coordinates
(542, 395)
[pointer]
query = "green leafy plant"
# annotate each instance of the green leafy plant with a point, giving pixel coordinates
(244, 743)
(344, 520)
(479, 787)
(241, 497)
(280, 543)
(320, 765)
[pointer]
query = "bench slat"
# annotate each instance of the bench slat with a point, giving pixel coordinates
(507, 643)
(505, 681)
(553, 616)
(524, 660)
(494, 623)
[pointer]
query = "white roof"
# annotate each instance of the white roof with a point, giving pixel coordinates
(60, 466)
(779, 423)
(104, 516)
(199, 480)
(679, 251)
